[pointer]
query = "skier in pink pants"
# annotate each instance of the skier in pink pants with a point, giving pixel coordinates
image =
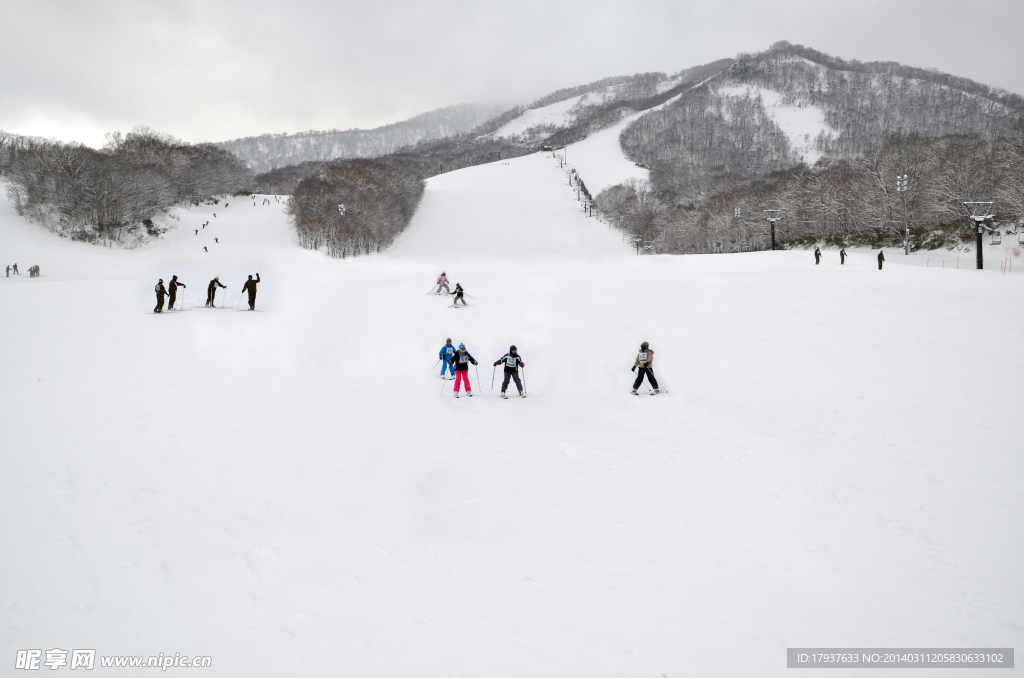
(461, 361)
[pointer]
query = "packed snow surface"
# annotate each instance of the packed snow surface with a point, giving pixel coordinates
(801, 124)
(294, 492)
(557, 115)
(599, 159)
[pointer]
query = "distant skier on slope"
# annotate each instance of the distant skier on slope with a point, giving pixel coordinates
(445, 354)
(442, 282)
(160, 292)
(817, 256)
(645, 361)
(842, 257)
(512, 363)
(458, 295)
(172, 291)
(881, 259)
(250, 286)
(16, 270)
(8, 270)
(211, 290)
(461, 360)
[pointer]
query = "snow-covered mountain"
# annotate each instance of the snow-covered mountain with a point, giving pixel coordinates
(571, 114)
(790, 104)
(269, 151)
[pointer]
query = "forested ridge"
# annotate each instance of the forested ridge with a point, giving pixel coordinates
(267, 152)
(113, 195)
(718, 148)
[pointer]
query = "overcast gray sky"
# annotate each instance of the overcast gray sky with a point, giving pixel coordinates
(220, 69)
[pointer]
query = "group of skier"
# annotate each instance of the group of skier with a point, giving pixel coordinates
(171, 292)
(442, 282)
(842, 257)
(456, 362)
(15, 270)
(33, 271)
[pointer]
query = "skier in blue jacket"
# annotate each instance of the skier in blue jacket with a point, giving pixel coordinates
(445, 354)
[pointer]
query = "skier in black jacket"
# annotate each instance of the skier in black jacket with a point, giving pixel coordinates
(512, 363)
(461, 360)
(458, 295)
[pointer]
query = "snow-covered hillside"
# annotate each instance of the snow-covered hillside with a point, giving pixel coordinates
(555, 116)
(295, 492)
(802, 125)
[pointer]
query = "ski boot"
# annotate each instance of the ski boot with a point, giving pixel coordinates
(456, 394)
(634, 392)
(504, 396)
(522, 394)
(655, 392)
(469, 393)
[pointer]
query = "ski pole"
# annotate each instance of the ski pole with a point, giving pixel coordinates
(435, 364)
(524, 378)
(492, 376)
(477, 368)
(442, 388)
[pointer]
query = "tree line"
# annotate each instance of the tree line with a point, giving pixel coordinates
(114, 194)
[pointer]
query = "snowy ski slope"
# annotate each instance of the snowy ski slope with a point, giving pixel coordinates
(835, 463)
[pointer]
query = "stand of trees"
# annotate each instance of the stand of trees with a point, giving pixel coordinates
(111, 195)
(842, 202)
(380, 198)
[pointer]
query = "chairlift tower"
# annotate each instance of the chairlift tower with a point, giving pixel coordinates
(979, 213)
(771, 216)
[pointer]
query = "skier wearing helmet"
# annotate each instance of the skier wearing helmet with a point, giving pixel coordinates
(461, 361)
(442, 282)
(644, 360)
(211, 290)
(512, 363)
(458, 295)
(445, 354)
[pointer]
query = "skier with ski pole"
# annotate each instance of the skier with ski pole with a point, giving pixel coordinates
(458, 295)
(442, 281)
(211, 291)
(645, 360)
(445, 355)
(461, 361)
(172, 292)
(512, 363)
